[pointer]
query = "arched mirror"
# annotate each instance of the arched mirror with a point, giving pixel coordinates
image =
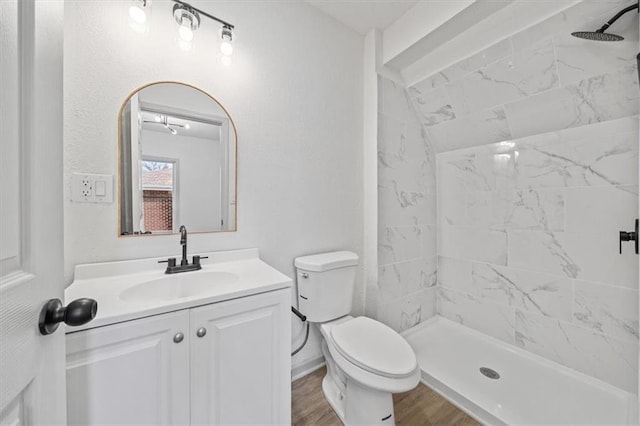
(177, 162)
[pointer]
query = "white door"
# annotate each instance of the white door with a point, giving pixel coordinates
(132, 373)
(32, 378)
(240, 365)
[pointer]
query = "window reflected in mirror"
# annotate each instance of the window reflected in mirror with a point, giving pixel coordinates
(158, 195)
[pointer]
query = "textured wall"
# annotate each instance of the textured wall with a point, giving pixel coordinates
(406, 213)
(529, 211)
(294, 91)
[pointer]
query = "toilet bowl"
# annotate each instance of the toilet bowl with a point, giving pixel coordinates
(367, 361)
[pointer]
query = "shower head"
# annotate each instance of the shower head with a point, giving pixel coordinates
(600, 35)
(597, 36)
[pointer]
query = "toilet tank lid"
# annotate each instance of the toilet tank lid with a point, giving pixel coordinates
(326, 261)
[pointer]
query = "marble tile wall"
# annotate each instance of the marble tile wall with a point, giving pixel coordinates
(539, 80)
(528, 245)
(537, 171)
(407, 255)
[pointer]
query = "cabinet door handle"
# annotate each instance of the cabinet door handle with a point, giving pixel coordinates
(201, 332)
(179, 337)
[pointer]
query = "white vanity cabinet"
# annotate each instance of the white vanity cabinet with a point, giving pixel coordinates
(223, 363)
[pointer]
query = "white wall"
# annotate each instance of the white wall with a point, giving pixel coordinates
(372, 48)
(419, 21)
(294, 91)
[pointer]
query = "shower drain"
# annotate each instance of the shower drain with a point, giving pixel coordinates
(490, 373)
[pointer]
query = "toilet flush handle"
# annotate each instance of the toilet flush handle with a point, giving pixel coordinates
(304, 275)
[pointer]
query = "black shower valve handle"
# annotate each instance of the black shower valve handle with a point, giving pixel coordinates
(629, 236)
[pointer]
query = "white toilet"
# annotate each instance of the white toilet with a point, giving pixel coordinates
(367, 361)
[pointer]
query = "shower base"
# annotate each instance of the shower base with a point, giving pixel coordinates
(515, 386)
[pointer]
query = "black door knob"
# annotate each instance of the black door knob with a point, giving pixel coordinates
(78, 312)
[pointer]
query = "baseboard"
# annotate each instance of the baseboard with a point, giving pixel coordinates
(306, 367)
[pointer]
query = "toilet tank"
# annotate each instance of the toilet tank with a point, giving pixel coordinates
(325, 284)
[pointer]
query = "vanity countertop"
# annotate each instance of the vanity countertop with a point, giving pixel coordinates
(115, 285)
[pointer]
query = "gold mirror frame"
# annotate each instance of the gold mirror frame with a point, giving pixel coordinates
(119, 156)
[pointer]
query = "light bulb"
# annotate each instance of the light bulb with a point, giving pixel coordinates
(188, 21)
(226, 48)
(226, 60)
(137, 14)
(226, 36)
(187, 126)
(185, 32)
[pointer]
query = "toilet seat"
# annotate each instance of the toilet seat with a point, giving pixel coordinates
(381, 375)
(374, 347)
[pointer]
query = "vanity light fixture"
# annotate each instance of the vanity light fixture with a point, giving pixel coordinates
(188, 18)
(164, 121)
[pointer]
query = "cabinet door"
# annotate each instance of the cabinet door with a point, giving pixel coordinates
(240, 369)
(130, 373)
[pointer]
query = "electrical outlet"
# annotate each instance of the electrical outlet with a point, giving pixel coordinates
(91, 188)
(81, 189)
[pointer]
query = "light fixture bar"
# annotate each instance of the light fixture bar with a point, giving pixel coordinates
(225, 23)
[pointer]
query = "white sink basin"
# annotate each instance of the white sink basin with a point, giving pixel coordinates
(131, 289)
(178, 286)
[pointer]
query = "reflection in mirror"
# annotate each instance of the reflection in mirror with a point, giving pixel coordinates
(177, 162)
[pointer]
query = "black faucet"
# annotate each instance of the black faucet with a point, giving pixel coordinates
(183, 243)
(184, 266)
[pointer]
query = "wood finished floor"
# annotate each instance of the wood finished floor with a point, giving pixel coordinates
(420, 406)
